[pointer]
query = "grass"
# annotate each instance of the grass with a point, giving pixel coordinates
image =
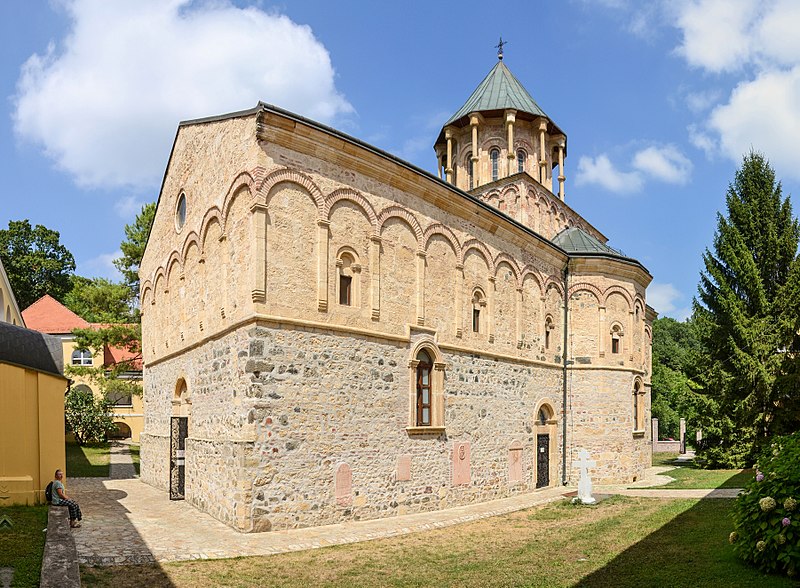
(22, 545)
(88, 461)
(619, 542)
(688, 476)
(134, 449)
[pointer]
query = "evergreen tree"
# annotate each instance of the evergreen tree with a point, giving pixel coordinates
(132, 247)
(747, 317)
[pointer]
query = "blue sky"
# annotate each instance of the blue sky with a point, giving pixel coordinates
(659, 100)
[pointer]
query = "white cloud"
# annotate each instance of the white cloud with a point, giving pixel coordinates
(663, 298)
(702, 140)
(105, 102)
(763, 114)
(665, 163)
(128, 206)
(601, 171)
(101, 266)
(702, 100)
(716, 33)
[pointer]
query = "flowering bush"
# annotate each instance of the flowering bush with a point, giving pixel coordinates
(766, 518)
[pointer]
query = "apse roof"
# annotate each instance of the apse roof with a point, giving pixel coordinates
(499, 90)
(31, 349)
(574, 240)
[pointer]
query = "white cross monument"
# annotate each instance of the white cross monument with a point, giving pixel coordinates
(585, 483)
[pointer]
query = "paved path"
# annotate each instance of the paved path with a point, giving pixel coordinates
(127, 521)
(121, 462)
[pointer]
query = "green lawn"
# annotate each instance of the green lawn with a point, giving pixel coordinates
(619, 542)
(22, 545)
(88, 461)
(134, 449)
(688, 476)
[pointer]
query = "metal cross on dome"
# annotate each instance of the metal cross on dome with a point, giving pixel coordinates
(499, 48)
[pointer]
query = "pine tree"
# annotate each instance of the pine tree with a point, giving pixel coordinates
(747, 317)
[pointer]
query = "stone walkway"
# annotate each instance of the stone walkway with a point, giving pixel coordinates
(121, 463)
(127, 521)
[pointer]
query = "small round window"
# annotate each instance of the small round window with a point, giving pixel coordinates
(180, 212)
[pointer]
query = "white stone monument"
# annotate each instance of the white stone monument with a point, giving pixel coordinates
(585, 483)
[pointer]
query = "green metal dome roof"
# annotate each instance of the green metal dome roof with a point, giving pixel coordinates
(575, 240)
(499, 90)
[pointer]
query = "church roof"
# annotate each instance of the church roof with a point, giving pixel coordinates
(31, 349)
(499, 90)
(574, 240)
(48, 315)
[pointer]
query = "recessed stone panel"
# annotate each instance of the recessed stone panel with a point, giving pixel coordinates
(461, 464)
(515, 469)
(343, 484)
(403, 468)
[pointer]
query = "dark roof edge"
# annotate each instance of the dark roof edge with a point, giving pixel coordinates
(622, 258)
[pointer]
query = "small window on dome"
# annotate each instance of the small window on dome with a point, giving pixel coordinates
(180, 212)
(521, 159)
(494, 154)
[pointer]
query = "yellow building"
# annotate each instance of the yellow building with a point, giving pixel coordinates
(48, 315)
(9, 310)
(32, 387)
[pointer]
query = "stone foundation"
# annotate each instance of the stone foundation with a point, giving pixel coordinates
(293, 427)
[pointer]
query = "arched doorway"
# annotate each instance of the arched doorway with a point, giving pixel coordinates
(178, 432)
(122, 431)
(545, 430)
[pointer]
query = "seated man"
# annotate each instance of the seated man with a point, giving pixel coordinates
(61, 499)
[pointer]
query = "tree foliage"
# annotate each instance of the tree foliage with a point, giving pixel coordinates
(36, 262)
(675, 351)
(88, 416)
(746, 315)
(98, 300)
(132, 247)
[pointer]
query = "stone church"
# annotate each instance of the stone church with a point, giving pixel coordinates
(331, 333)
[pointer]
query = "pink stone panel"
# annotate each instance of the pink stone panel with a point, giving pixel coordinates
(343, 481)
(403, 468)
(515, 470)
(461, 464)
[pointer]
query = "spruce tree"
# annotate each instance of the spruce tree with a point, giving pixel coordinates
(747, 318)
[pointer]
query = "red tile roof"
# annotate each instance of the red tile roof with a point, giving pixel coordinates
(48, 315)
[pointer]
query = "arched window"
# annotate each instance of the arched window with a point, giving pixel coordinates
(348, 271)
(81, 357)
(494, 154)
(478, 303)
(543, 416)
(616, 339)
(469, 164)
(638, 406)
(548, 328)
(424, 389)
(426, 392)
(522, 157)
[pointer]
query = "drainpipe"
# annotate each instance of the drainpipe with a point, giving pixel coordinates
(564, 381)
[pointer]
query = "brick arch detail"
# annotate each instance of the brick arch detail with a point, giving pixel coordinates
(504, 257)
(293, 177)
(448, 234)
(586, 287)
(212, 214)
(617, 290)
(356, 198)
(244, 180)
(404, 214)
(482, 249)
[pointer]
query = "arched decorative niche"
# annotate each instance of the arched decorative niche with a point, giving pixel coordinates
(426, 371)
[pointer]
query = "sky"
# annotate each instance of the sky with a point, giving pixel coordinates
(660, 100)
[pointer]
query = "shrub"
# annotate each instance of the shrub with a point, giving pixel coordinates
(767, 514)
(87, 416)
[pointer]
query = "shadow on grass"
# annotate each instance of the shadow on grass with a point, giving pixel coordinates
(79, 465)
(692, 549)
(21, 544)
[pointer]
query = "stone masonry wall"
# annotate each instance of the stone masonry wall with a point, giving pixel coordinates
(307, 401)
